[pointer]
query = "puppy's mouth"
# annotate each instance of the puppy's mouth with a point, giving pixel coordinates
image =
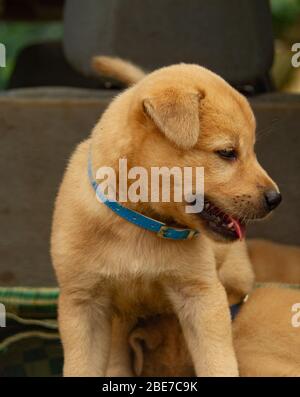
(221, 223)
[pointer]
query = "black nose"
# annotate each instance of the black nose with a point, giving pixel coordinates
(273, 199)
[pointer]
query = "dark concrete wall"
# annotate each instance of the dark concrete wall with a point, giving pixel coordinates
(233, 37)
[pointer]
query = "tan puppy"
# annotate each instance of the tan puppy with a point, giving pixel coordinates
(273, 262)
(265, 340)
(182, 115)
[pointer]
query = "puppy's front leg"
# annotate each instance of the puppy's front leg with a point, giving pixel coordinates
(85, 328)
(204, 316)
(120, 360)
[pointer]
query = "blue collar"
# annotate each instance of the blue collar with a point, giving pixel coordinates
(234, 310)
(152, 225)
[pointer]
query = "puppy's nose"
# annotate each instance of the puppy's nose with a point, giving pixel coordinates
(273, 199)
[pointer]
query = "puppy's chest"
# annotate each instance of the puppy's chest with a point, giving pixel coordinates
(139, 297)
(137, 273)
(149, 260)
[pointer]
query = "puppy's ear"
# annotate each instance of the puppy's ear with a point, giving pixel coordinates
(176, 114)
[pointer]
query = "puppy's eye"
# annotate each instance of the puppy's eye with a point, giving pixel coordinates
(227, 154)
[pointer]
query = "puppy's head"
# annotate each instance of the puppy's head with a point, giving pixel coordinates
(186, 116)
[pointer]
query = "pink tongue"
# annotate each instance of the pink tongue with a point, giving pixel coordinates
(239, 229)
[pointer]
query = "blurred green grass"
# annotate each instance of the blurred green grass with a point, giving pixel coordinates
(17, 35)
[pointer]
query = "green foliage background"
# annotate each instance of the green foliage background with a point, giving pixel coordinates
(285, 13)
(16, 35)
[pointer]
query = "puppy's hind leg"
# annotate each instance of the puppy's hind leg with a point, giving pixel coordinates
(85, 328)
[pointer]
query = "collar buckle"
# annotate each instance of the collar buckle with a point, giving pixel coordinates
(164, 228)
(192, 234)
(162, 231)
